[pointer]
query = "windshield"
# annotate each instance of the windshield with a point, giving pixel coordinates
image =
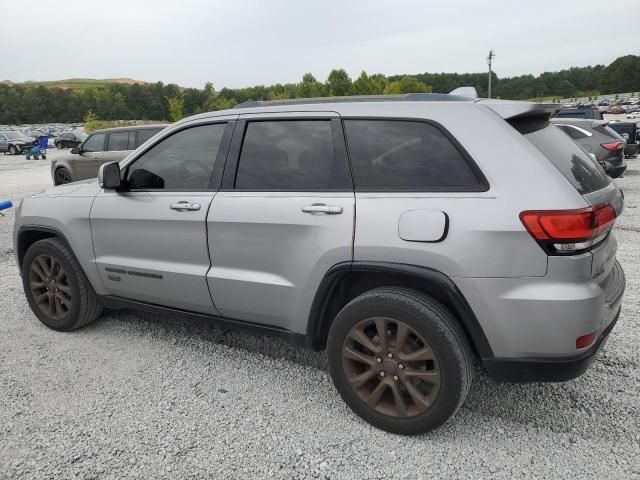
(584, 173)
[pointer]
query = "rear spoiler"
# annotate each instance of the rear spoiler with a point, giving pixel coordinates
(599, 123)
(510, 109)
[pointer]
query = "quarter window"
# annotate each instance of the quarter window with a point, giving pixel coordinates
(291, 155)
(183, 161)
(95, 143)
(397, 154)
(118, 141)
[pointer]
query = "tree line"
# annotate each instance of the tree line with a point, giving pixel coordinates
(25, 103)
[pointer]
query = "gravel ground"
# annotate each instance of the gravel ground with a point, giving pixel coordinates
(143, 396)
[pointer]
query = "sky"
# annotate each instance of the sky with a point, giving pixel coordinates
(238, 43)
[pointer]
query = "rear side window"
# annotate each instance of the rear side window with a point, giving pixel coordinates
(406, 155)
(145, 134)
(118, 141)
(584, 173)
(291, 155)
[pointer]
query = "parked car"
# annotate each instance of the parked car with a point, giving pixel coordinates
(246, 217)
(100, 147)
(630, 132)
(69, 139)
(14, 142)
(592, 113)
(598, 139)
(635, 114)
(616, 110)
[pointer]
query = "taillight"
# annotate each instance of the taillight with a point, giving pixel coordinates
(614, 146)
(569, 231)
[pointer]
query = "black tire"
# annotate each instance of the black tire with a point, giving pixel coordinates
(427, 318)
(61, 176)
(85, 306)
(59, 145)
(13, 150)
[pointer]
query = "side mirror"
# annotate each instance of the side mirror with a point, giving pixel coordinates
(75, 150)
(109, 176)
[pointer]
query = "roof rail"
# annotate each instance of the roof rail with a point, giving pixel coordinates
(407, 97)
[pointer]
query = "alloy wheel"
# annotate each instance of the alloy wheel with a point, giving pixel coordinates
(391, 367)
(62, 176)
(50, 287)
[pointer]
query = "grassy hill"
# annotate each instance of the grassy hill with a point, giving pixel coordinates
(79, 83)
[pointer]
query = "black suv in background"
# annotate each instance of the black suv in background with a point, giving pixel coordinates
(599, 139)
(630, 132)
(69, 140)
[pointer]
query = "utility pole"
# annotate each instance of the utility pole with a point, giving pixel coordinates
(489, 59)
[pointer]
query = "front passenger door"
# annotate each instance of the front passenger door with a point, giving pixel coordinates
(86, 162)
(150, 240)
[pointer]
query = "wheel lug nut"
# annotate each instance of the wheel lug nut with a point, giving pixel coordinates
(379, 360)
(401, 366)
(390, 355)
(382, 374)
(395, 377)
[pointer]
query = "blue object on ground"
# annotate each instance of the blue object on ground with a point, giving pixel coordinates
(5, 204)
(43, 142)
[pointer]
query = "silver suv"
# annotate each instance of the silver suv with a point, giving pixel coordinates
(410, 236)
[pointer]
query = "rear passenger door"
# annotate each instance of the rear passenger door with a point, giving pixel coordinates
(284, 216)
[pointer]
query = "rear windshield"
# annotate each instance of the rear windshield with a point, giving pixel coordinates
(584, 173)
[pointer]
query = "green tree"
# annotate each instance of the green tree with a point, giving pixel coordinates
(310, 87)
(339, 83)
(90, 121)
(407, 84)
(175, 105)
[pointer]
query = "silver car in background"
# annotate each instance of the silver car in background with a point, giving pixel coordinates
(102, 146)
(382, 229)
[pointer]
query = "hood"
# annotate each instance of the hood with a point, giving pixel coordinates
(82, 188)
(26, 139)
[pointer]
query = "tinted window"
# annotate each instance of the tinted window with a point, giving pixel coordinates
(291, 155)
(118, 141)
(584, 173)
(573, 132)
(146, 134)
(395, 154)
(183, 161)
(95, 143)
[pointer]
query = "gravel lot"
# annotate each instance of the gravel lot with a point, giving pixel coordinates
(143, 396)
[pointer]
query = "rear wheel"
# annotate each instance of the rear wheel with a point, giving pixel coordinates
(57, 290)
(400, 360)
(62, 176)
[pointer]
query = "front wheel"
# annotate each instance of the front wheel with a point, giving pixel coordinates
(400, 360)
(13, 150)
(59, 145)
(57, 290)
(61, 176)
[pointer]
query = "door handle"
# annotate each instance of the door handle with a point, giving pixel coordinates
(318, 208)
(184, 206)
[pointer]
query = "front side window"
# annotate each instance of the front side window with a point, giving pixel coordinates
(118, 141)
(95, 143)
(291, 155)
(398, 154)
(183, 161)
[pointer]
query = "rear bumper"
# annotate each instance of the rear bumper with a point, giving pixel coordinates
(617, 171)
(526, 370)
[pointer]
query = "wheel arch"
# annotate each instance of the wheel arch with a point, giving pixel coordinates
(345, 281)
(30, 234)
